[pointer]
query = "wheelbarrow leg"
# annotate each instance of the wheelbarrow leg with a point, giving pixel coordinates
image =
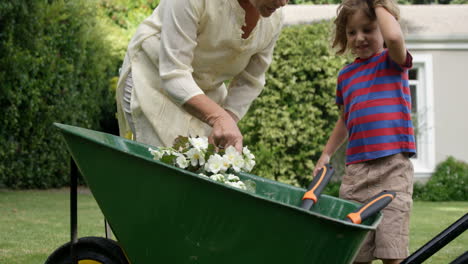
(107, 229)
(73, 210)
(86, 249)
(442, 239)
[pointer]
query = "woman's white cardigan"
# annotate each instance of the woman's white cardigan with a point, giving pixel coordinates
(191, 47)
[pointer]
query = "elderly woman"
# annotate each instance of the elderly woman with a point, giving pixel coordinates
(173, 77)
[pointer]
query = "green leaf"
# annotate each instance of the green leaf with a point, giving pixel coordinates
(169, 159)
(210, 151)
(180, 143)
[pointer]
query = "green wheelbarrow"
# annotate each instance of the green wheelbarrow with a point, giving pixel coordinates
(163, 214)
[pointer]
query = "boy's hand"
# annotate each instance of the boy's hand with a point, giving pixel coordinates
(390, 5)
(324, 159)
(377, 3)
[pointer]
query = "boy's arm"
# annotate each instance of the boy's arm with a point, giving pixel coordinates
(391, 30)
(338, 136)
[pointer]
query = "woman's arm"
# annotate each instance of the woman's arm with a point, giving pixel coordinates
(391, 30)
(181, 19)
(248, 84)
(225, 131)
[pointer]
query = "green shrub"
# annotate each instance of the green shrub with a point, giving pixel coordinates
(289, 124)
(121, 18)
(448, 183)
(54, 67)
(333, 188)
(418, 191)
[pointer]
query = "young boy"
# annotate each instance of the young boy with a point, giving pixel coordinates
(375, 99)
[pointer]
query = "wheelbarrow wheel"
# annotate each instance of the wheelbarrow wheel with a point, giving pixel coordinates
(90, 250)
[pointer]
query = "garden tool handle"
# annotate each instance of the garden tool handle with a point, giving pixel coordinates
(316, 186)
(371, 207)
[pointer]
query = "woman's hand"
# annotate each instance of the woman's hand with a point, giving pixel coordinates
(324, 159)
(236, 119)
(226, 133)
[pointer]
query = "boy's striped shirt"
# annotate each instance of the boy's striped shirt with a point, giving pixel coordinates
(377, 107)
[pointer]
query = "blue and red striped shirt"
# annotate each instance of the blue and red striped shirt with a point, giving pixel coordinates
(376, 97)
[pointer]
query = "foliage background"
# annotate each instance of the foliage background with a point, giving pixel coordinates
(448, 183)
(54, 67)
(121, 18)
(59, 63)
(288, 125)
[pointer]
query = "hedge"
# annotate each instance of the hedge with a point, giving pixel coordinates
(121, 19)
(289, 124)
(448, 183)
(54, 67)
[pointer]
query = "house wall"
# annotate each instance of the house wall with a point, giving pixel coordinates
(450, 91)
(451, 104)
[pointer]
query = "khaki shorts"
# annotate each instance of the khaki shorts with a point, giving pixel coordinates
(366, 179)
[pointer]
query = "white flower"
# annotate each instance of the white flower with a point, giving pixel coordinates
(237, 184)
(249, 156)
(249, 159)
(247, 153)
(196, 156)
(182, 161)
(246, 150)
(238, 163)
(232, 178)
(169, 152)
(234, 158)
(226, 164)
(218, 177)
(200, 143)
(231, 153)
(241, 185)
(157, 153)
(215, 164)
(248, 165)
(233, 184)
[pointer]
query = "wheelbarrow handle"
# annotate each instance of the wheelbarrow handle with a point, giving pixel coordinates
(463, 258)
(371, 207)
(316, 187)
(440, 241)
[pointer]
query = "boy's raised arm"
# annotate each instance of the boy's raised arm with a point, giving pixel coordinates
(391, 30)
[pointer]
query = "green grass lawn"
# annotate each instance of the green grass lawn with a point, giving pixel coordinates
(428, 219)
(34, 223)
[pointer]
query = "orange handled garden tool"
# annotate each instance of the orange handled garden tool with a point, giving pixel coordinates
(374, 205)
(316, 186)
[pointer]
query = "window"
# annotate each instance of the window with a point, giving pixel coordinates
(420, 82)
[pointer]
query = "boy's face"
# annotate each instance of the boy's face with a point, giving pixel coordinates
(268, 7)
(363, 35)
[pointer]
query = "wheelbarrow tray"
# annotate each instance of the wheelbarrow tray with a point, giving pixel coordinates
(163, 214)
